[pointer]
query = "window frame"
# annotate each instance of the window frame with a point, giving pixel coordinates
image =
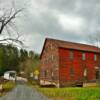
(83, 56)
(45, 73)
(95, 57)
(72, 71)
(52, 57)
(85, 72)
(71, 55)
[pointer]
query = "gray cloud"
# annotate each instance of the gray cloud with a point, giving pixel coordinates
(70, 20)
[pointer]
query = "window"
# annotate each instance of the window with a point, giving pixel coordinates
(85, 72)
(71, 55)
(52, 74)
(83, 56)
(95, 57)
(46, 61)
(45, 73)
(52, 57)
(71, 71)
(51, 46)
(97, 74)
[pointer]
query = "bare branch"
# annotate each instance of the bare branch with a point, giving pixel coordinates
(94, 39)
(13, 16)
(10, 39)
(7, 24)
(5, 20)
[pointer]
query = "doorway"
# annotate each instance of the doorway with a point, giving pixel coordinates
(97, 74)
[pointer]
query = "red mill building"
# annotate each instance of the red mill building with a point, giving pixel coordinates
(68, 64)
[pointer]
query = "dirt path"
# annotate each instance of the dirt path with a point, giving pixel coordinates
(23, 92)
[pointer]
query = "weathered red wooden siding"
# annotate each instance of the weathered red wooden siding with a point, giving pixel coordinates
(50, 62)
(78, 65)
(90, 64)
(61, 63)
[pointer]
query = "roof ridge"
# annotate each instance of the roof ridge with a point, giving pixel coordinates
(72, 42)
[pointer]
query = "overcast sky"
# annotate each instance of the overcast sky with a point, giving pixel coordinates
(70, 20)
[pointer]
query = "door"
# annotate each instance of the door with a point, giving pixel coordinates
(97, 74)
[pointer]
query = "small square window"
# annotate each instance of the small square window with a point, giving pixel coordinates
(52, 57)
(95, 57)
(51, 46)
(83, 56)
(45, 73)
(71, 55)
(85, 72)
(52, 74)
(71, 71)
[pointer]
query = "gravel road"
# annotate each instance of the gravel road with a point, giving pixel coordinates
(24, 92)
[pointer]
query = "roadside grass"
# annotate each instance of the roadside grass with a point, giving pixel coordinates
(8, 86)
(33, 83)
(75, 93)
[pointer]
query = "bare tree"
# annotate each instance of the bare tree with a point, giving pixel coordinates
(7, 24)
(94, 39)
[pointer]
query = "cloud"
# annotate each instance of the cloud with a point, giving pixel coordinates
(71, 23)
(33, 41)
(69, 20)
(1, 13)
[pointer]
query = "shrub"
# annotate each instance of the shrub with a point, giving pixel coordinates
(8, 86)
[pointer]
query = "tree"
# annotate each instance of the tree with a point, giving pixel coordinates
(7, 24)
(29, 63)
(23, 55)
(94, 39)
(31, 54)
(2, 53)
(13, 62)
(9, 59)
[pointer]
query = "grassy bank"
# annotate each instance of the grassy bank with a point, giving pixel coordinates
(90, 93)
(7, 87)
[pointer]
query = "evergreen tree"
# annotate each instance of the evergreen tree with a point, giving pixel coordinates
(9, 59)
(31, 54)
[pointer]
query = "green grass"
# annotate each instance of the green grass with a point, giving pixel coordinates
(89, 93)
(8, 86)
